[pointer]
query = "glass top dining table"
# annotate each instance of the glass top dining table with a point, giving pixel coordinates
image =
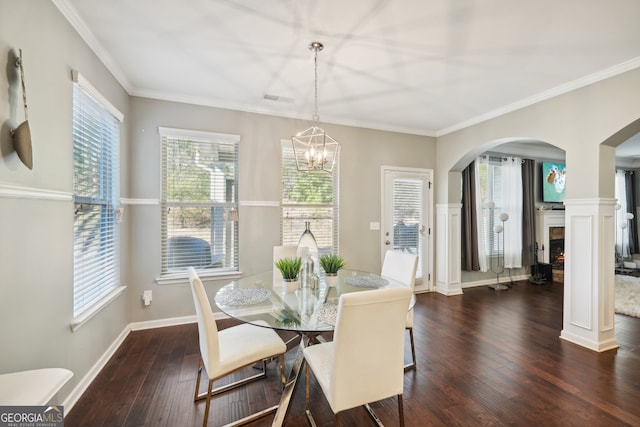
(262, 300)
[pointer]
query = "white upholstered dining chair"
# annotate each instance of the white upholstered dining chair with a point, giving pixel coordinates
(226, 351)
(364, 362)
(33, 387)
(402, 266)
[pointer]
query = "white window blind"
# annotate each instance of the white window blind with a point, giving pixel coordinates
(309, 197)
(408, 215)
(199, 200)
(500, 192)
(490, 187)
(96, 194)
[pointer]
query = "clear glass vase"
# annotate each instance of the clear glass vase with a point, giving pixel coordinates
(307, 240)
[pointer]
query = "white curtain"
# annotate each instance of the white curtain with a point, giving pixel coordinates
(622, 237)
(512, 205)
(480, 209)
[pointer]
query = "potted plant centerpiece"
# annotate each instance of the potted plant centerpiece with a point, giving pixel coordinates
(289, 268)
(331, 264)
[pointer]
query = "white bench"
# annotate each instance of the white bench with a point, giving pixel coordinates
(32, 388)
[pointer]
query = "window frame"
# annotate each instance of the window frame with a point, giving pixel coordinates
(168, 135)
(94, 288)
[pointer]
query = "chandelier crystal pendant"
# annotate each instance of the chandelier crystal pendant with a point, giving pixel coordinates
(313, 149)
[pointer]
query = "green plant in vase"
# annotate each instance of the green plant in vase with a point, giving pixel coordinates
(331, 264)
(289, 268)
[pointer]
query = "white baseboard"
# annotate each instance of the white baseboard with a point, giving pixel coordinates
(485, 282)
(86, 381)
(162, 323)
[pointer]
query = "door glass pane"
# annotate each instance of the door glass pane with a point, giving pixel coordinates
(408, 216)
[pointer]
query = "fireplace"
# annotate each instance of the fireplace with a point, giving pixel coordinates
(550, 234)
(556, 247)
(550, 237)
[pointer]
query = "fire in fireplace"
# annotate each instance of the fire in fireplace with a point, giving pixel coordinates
(556, 247)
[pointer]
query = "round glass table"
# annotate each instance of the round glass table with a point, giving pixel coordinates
(263, 301)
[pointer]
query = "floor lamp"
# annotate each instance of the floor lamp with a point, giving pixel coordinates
(499, 260)
(628, 217)
(618, 254)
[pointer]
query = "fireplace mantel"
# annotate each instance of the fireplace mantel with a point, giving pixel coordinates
(546, 219)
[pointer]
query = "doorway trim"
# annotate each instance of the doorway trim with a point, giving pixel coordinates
(427, 241)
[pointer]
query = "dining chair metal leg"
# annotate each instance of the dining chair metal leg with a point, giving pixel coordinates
(412, 365)
(373, 415)
(195, 396)
(229, 386)
(206, 408)
(401, 410)
(212, 392)
(283, 375)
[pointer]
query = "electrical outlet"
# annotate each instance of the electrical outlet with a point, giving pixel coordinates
(147, 297)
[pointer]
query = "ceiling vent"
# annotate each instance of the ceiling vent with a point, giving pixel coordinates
(276, 98)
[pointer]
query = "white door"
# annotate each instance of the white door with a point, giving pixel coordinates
(407, 219)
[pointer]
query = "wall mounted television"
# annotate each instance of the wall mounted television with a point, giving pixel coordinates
(553, 181)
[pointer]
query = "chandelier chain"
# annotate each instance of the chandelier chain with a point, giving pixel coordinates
(316, 117)
(313, 149)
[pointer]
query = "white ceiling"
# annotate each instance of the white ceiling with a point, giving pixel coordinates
(426, 67)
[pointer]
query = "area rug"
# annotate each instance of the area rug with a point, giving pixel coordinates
(627, 295)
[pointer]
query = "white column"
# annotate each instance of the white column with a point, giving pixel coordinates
(448, 254)
(589, 275)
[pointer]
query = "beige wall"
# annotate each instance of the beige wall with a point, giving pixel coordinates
(36, 247)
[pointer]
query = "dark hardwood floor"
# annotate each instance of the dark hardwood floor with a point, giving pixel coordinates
(485, 358)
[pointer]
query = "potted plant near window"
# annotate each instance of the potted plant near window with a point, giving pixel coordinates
(331, 264)
(289, 268)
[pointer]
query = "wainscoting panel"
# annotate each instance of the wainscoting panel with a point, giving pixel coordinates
(448, 249)
(589, 274)
(581, 285)
(607, 274)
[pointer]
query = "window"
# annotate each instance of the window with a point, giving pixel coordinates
(499, 192)
(96, 194)
(199, 201)
(309, 197)
(622, 223)
(490, 194)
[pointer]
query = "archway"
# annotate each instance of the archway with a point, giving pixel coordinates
(578, 122)
(547, 214)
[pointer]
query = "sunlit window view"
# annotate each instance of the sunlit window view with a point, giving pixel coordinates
(309, 197)
(199, 201)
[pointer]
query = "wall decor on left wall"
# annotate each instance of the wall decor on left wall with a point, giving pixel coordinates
(22, 134)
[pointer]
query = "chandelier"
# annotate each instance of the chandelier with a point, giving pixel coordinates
(313, 149)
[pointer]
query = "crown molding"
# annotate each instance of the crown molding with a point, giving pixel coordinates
(547, 94)
(69, 12)
(72, 16)
(213, 103)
